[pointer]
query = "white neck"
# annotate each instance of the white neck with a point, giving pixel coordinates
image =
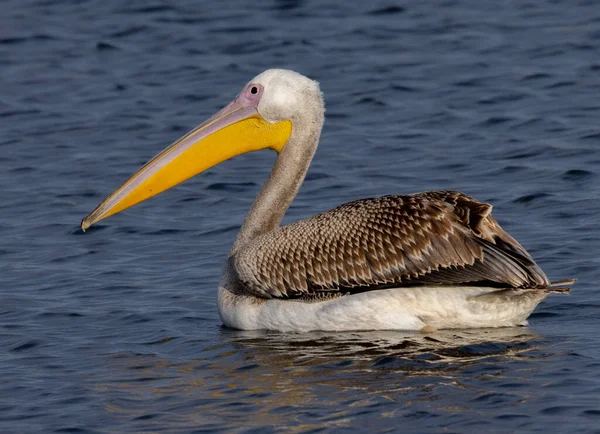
(285, 180)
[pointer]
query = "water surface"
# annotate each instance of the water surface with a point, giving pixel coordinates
(116, 330)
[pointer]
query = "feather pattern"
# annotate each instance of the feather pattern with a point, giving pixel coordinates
(439, 237)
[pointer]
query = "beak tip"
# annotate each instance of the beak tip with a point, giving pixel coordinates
(85, 224)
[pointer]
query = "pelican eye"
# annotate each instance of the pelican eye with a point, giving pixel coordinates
(254, 90)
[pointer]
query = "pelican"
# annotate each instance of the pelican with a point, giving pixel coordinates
(425, 261)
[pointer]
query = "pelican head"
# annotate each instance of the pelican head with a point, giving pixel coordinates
(287, 95)
(265, 115)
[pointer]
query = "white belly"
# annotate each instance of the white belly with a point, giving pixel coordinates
(390, 309)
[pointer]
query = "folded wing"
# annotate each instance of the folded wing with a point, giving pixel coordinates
(440, 238)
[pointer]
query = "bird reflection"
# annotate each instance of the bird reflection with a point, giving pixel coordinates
(452, 346)
(275, 375)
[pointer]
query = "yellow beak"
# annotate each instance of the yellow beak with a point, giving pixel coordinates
(236, 129)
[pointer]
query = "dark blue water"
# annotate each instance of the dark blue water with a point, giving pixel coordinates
(116, 330)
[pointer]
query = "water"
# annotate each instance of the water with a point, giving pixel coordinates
(116, 330)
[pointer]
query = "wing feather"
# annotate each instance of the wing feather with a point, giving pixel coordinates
(440, 237)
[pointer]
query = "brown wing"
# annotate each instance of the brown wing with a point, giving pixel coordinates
(440, 237)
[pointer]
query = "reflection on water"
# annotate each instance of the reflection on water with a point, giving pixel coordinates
(272, 376)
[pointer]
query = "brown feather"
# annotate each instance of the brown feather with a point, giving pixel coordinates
(440, 237)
